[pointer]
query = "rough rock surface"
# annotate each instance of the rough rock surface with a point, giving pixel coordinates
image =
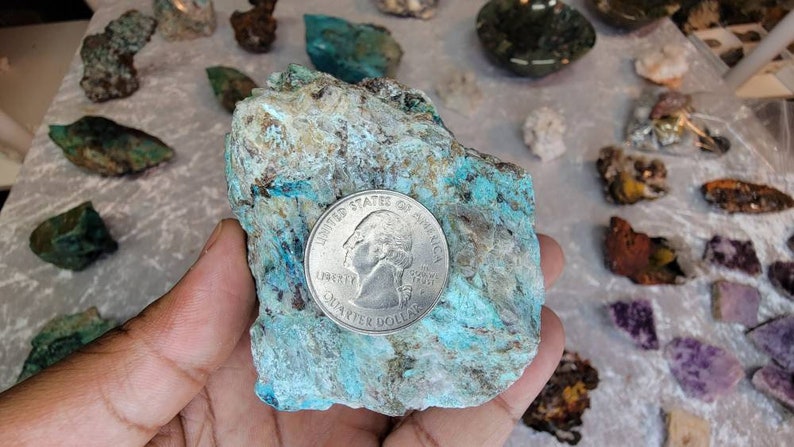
(629, 179)
(308, 140)
(737, 196)
(666, 66)
(190, 19)
(643, 259)
(229, 85)
(733, 254)
(421, 9)
(543, 132)
(704, 371)
(776, 382)
(781, 275)
(735, 303)
(776, 338)
(635, 318)
(255, 29)
(458, 91)
(684, 429)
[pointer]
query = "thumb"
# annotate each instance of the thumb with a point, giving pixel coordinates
(122, 388)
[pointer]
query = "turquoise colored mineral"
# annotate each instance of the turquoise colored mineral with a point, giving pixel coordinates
(533, 37)
(61, 336)
(350, 51)
(74, 239)
(307, 140)
(108, 148)
(229, 85)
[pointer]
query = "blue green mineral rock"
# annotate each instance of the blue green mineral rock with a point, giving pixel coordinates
(61, 336)
(229, 85)
(350, 51)
(74, 239)
(306, 141)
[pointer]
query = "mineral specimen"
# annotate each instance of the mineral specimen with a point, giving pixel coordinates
(229, 85)
(559, 407)
(732, 254)
(309, 139)
(255, 29)
(635, 318)
(630, 179)
(184, 19)
(108, 70)
(776, 338)
(735, 303)
(543, 131)
(666, 66)
(632, 14)
(670, 104)
(790, 243)
(736, 196)
(105, 147)
(702, 15)
(459, 91)
(777, 383)
(74, 239)
(704, 371)
(61, 336)
(421, 9)
(533, 38)
(350, 51)
(684, 429)
(642, 259)
(781, 275)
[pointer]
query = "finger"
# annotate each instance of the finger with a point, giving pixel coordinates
(552, 259)
(121, 389)
(492, 422)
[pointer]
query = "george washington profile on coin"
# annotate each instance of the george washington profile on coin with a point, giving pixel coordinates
(378, 252)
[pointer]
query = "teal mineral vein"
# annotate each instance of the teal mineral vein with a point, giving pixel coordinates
(307, 140)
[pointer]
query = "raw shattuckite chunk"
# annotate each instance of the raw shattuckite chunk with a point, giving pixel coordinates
(559, 407)
(635, 318)
(704, 371)
(108, 70)
(108, 148)
(781, 275)
(735, 303)
(684, 429)
(776, 338)
(421, 9)
(776, 382)
(61, 336)
(255, 29)
(229, 85)
(351, 51)
(733, 254)
(309, 139)
(184, 19)
(74, 239)
(736, 196)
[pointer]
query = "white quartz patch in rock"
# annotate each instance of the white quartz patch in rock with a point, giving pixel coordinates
(543, 131)
(666, 66)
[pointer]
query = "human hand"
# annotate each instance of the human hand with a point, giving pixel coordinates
(181, 373)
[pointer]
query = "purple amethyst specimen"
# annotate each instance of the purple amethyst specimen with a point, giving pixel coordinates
(776, 338)
(704, 371)
(777, 383)
(635, 318)
(781, 275)
(735, 303)
(733, 254)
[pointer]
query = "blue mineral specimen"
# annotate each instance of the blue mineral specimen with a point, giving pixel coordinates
(307, 140)
(349, 51)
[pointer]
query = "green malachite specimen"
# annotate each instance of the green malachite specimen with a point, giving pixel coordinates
(61, 336)
(351, 52)
(632, 14)
(105, 147)
(74, 239)
(229, 85)
(533, 38)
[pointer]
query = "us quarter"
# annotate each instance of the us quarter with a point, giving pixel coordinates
(376, 262)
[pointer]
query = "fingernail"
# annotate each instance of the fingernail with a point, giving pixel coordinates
(213, 237)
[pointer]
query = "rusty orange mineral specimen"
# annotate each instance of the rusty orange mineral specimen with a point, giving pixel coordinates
(736, 196)
(639, 257)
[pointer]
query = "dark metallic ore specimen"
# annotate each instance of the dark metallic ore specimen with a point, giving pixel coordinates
(736, 196)
(229, 85)
(559, 407)
(781, 275)
(642, 259)
(61, 336)
(74, 239)
(732, 254)
(108, 70)
(635, 318)
(255, 30)
(105, 147)
(704, 371)
(630, 179)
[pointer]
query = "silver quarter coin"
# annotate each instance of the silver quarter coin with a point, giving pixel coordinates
(376, 262)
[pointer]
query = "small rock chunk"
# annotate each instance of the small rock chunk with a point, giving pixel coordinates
(74, 239)
(732, 254)
(562, 402)
(781, 275)
(255, 29)
(736, 196)
(635, 318)
(735, 303)
(191, 19)
(776, 338)
(543, 131)
(666, 66)
(704, 371)
(229, 85)
(643, 259)
(684, 429)
(459, 92)
(629, 179)
(421, 9)
(776, 382)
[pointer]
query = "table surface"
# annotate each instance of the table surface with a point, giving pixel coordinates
(161, 218)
